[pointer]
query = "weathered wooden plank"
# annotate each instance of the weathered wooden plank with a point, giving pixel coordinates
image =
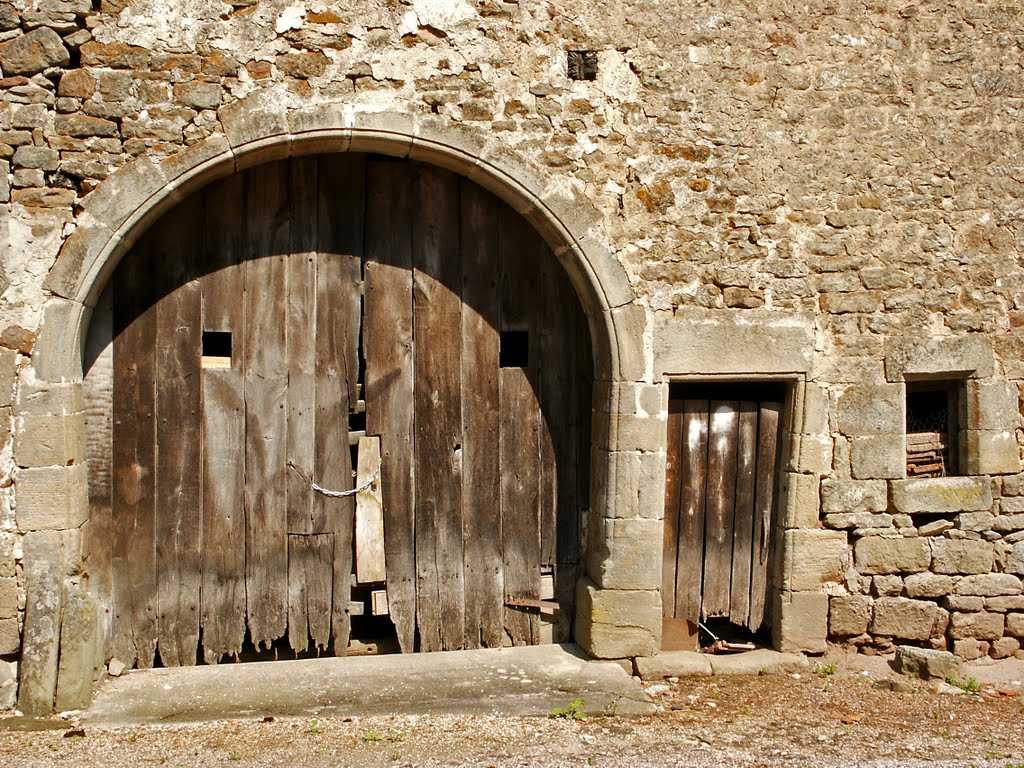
(371, 563)
(134, 628)
(266, 378)
(719, 512)
(339, 315)
(98, 397)
(520, 424)
(743, 521)
(440, 584)
(222, 604)
(481, 515)
(310, 590)
(673, 489)
(764, 509)
(692, 472)
(300, 332)
(178, 522)
(387, 348)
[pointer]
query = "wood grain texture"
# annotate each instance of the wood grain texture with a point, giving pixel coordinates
(341, 180)
(387, 347)
(481, 515)
(673, 489)
(310, 588)
(719, 512)
(266, 380)
(178, 521)
(222, 605)
(692, 470)
(440, 585)
(134, 626)
(769, 419)
(371, 564)
(743, 520)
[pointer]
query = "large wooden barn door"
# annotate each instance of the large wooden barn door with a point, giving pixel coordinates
(719, 506)
(289, 323)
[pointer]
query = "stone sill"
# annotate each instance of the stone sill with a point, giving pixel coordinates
(936, 495)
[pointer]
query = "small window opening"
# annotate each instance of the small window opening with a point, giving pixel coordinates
(581, 65)
(216, 349)
(514, 349)
(933, 428)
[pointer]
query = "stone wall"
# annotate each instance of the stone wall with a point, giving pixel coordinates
(826, 193)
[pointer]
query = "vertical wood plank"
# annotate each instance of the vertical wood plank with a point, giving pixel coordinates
(520, 424)
(341, 180)
(387, 348)
(743, 521)
(721, 497)
(179, 502)
(673, 488)
(692, 472)
(310, 586)
(222, 605)
(484, 610)
(371, 564)
(134, 628)
(764, 509)
(266, 378)
(440, 585)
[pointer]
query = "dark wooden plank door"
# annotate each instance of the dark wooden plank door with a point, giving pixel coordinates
(266, 325)
(719, 505)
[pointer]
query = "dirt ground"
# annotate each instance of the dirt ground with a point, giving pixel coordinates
(846, 710)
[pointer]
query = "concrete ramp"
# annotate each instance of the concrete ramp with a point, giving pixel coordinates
(506, 681)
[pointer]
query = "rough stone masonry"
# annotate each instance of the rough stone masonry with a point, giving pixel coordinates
(826, 194)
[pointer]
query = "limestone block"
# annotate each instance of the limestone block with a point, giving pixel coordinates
(907, 619)
(878, 456)
(617, 624)
(975, 521)
(44, 441)
(763, 661)
(812, 413)
(79, 252)
(673, 664)
(813, 558)
(812, 454)
(801, 622)
(879, 554)
(742, 341)
(799, 500)
(871, 409)
(934, 528)
(1004, 603)
(1015, 624)
(10, 640)
(33, 52)
(926, 663)
(77, 651)
(970, 649)
(848, 615)
(623, 558)
(1007, 523)
(8, 597)
(638, 433)
(981, 626)
(989, 585)
(964, 604)
(44, 590)
(858, 520)
(1015, 560)
(51, 498)
(124, 192)
(991, 452)
(630, 323)
(887, 585)
(942, 494)
(962, 556)
(995, 405)
(1004, 647)
(1014, 486)
(852, 496)
(971, 355)
(927, 584)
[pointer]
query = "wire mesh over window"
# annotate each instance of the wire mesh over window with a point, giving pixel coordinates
(932, 428)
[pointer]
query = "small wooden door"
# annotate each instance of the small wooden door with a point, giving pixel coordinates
(269, 325)
(723, 448)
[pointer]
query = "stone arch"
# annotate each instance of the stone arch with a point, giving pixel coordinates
(618, 604)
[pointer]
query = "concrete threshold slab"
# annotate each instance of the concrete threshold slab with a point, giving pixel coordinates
(505, 681)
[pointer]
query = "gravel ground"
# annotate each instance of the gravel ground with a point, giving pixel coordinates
(841, 714)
